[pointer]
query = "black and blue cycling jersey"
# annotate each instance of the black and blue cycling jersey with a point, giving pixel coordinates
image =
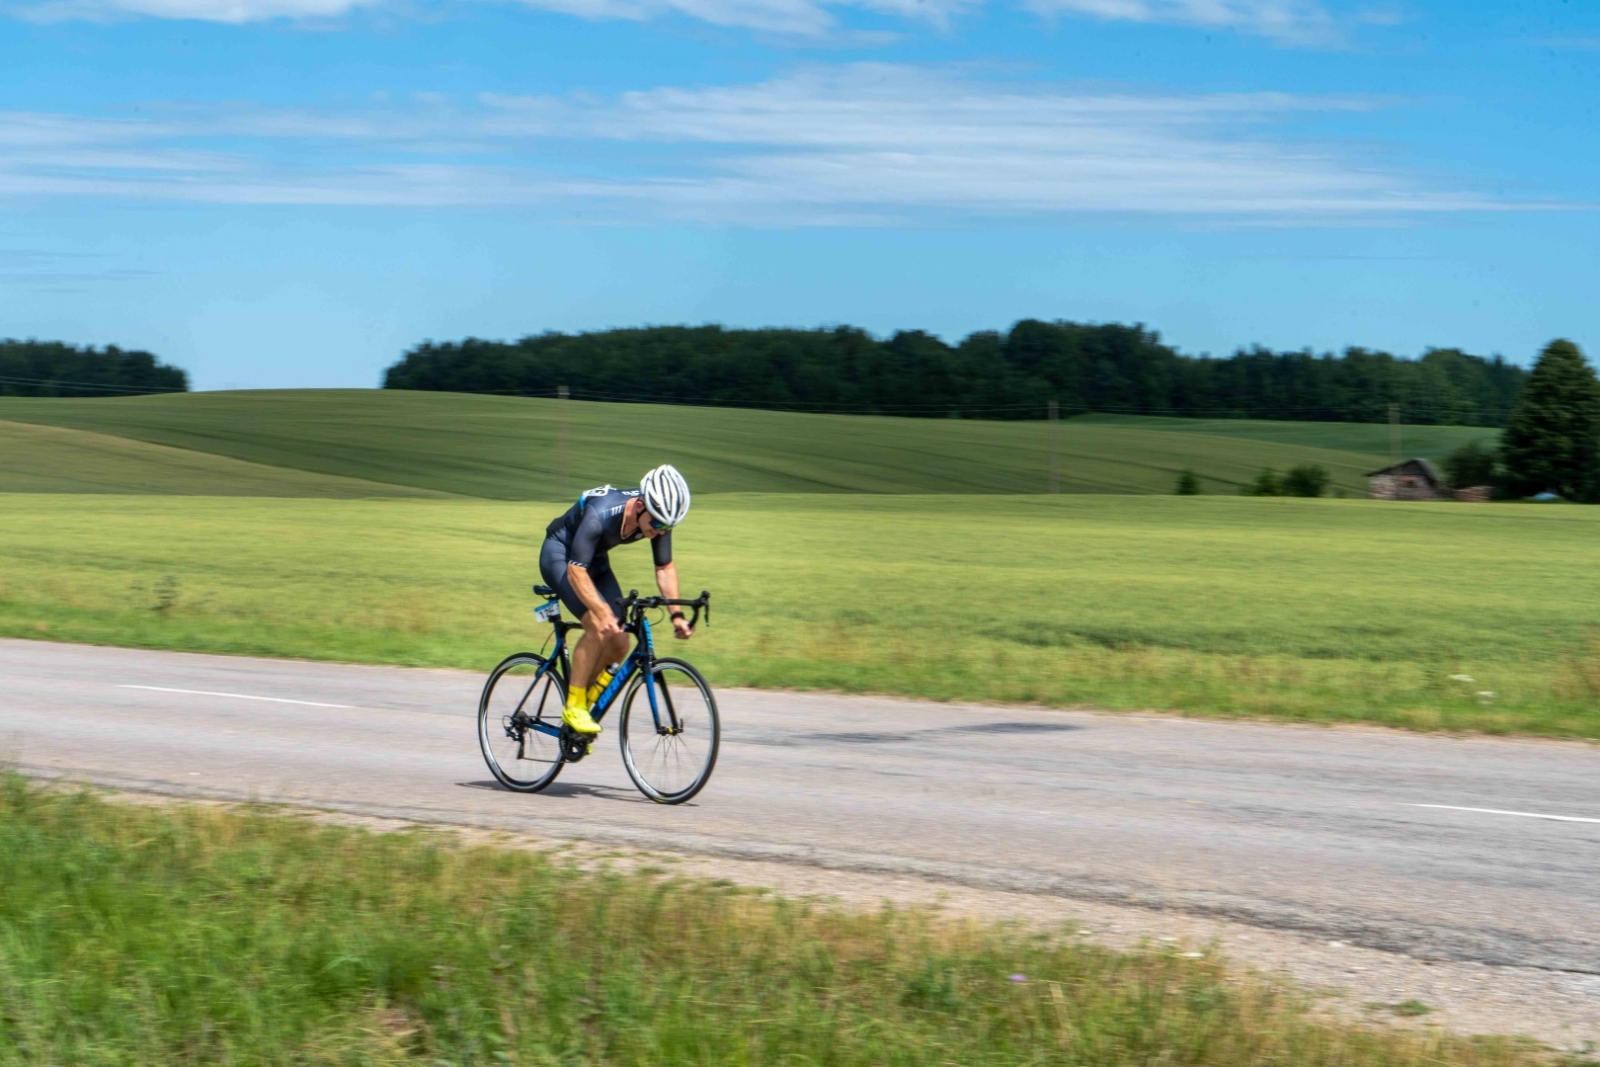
(585, 535)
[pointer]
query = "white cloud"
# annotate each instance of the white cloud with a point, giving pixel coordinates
(884, 144)
(801, 18)
(1286, 21)
(229, 11)
(789, 17)
(1289, 21)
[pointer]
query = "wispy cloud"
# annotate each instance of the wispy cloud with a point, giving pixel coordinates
(1285, 21)
(860, 144)
(229, 11)
(801, 18)
(1288, 21)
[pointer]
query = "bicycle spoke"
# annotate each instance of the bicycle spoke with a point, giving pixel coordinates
(520, 755)
(671, 763)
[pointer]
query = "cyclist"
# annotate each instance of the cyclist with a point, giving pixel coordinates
(575, 562)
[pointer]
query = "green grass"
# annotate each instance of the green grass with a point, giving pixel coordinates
(133, 936)
(51, 459)
(1367, 438)
(1313, 610)
(507, 448)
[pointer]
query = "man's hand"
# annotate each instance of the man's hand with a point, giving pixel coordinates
(599, 614)
(680, 628)
(605, 623)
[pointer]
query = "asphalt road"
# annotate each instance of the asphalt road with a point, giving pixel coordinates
(1360, 835)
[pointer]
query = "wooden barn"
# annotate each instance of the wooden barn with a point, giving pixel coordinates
(1415, 479)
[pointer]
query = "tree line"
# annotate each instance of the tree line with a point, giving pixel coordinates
(1550, 447)
(1014, 374)
(50, 368)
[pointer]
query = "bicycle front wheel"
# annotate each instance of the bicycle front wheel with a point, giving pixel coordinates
(519, 705)
(670, 754)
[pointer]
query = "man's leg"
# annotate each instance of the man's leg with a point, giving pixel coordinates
(586, 657)
(591, 650)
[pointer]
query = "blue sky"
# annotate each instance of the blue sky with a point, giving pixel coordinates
(291, 192)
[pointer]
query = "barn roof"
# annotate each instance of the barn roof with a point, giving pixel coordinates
(1411, 466)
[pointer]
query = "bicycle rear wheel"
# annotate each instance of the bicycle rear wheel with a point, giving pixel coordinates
(516, 701)
(670, 766)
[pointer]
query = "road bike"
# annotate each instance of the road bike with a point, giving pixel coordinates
(669, 754)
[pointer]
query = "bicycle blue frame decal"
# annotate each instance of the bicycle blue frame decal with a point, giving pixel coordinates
(609, 697)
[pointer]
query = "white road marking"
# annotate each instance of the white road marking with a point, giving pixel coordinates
(1498, 811)
(235, 696)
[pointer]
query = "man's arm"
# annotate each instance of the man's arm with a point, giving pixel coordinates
(605, 622)
(667, 582)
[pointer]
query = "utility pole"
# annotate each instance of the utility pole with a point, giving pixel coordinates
(1394, 432)
(562, 393)
(1055, 446)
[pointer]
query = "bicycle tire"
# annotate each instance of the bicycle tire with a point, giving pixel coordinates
(521, 759)
(655, 755)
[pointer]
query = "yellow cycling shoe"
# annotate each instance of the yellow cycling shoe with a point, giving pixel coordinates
(580, 721)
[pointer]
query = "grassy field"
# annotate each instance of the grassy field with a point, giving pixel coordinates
(1367, 438)
(197, 936)
(52, 459)
(506, 448)
(1319, 610)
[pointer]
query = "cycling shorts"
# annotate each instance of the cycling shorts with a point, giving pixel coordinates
(553, 568)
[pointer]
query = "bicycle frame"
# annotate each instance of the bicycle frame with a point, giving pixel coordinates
(642, 658)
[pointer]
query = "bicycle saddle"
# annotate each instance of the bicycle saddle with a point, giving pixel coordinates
(543, 590)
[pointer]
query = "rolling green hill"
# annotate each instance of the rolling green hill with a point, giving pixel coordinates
(386, 442)
(1368, 438)
(51, 459)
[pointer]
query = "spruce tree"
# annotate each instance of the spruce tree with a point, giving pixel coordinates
(1552, 442)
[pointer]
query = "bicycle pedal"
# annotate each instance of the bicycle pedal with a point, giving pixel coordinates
(574, 746)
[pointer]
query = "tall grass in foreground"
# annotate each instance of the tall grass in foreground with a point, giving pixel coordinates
(192, 935)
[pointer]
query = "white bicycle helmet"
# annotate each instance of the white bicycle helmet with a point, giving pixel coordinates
(666, 495)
